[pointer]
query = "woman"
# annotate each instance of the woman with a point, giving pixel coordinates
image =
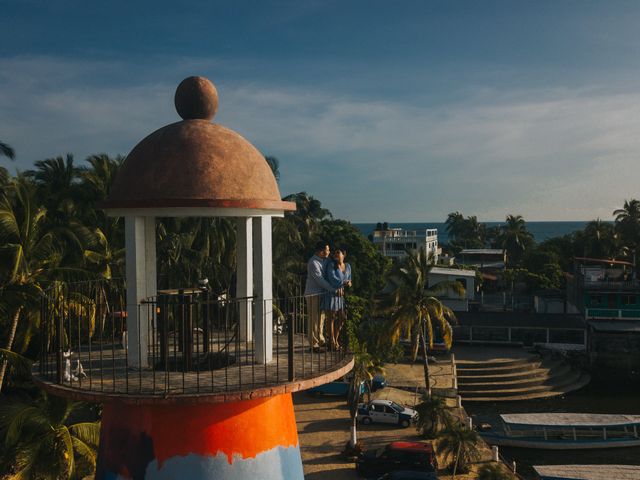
(338, 274)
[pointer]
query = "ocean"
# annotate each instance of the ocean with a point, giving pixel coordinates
(541, 231)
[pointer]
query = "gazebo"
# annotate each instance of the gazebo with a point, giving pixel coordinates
(200, 386)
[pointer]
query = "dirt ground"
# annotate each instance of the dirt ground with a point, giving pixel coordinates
(323, 424)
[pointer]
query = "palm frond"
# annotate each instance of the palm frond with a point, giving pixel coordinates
(21, 365)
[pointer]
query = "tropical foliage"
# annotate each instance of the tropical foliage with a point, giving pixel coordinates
(433, 415)
(414, 309)
(47, 438)
(460, 446)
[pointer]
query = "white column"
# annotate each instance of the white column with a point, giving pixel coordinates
(141, 283)
(244, 280)
(263, 286)
(150, 256)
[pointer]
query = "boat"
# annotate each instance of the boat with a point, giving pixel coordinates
(566, 431)
(587, 472)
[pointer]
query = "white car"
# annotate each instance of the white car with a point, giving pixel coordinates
(386, 411)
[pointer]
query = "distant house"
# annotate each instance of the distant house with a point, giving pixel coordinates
(466, 278)
(603, 289)
(394, 242)
(486, 259)
(607, 295)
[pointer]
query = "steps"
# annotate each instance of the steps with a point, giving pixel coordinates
(500, 380)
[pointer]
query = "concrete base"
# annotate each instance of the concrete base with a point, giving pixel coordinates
(240, 440)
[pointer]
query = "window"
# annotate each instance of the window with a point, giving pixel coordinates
(628, 300)
(595, 300)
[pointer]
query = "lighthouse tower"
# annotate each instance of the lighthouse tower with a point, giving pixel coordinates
(193, 385)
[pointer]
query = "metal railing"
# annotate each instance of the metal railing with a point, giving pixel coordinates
(183, 342)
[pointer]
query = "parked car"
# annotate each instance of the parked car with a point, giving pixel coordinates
(409, 475)
(386, 411)
(411, 456)
(337, 388)
(378, 383)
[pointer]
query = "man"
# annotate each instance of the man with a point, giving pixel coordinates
(315, 287)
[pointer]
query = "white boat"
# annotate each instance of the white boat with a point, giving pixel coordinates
(587, 472)
(562, 431)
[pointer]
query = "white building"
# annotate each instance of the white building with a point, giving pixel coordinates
(453, 300)
(394, 242)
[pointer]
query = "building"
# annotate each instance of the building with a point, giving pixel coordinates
(486, 259)
(394, 242)
(607, 295)
(453, 300)
(201, 387)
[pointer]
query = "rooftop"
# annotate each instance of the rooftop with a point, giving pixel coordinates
(570, 419)
(452, 271)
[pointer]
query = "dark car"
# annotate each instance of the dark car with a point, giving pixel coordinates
(412, 456)
(409, 475)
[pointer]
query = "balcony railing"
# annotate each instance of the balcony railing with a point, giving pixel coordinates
(188, 342)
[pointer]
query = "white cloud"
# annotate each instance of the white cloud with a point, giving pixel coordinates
(545, 153)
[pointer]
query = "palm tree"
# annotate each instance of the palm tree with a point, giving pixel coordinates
(42, 439)
(309, 213)
(454, 225)
(494, 471)
(7, 151)
(29, 255)
(274, 165)
(415, 309)
(432, 414)
(627, 224)
(365, 367)
(600, 239)
(460, 445)
(515, 238)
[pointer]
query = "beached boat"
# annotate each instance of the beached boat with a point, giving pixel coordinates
(561, 431)
(587, 472)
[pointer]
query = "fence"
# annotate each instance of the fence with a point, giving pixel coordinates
(179, 342)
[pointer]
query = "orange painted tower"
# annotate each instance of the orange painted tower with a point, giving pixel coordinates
(193, 385)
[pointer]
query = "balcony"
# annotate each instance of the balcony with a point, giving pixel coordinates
(191, 344)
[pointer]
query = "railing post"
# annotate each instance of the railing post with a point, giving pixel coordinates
(290, 346)
(58, 335)
(205, 322)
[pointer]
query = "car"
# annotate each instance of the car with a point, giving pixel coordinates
(386, 411)
(378, 383)
(406, 456)
(409, 475)
(338, 388)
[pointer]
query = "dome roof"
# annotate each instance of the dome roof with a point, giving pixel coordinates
(195, 163)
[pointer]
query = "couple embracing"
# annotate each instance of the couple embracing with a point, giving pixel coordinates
(327, 277)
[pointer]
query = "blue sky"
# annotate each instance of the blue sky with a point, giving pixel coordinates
(398, 111)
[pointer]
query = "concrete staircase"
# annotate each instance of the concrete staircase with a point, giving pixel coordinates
(502, 380)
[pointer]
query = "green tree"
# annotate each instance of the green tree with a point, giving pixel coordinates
(627, 225)
(413, 307)
(307, 217)
(7, 151)
(600, 240)
(274, 165)
(515, 238)
(432, 415)
(365, 367)
(459, 445)
(43, 439)
(28, 256)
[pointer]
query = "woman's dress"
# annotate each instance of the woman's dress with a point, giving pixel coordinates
(337, 278)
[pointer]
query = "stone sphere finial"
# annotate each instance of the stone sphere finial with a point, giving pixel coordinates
(196, 98)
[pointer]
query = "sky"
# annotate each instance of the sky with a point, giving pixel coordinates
(393, 111)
